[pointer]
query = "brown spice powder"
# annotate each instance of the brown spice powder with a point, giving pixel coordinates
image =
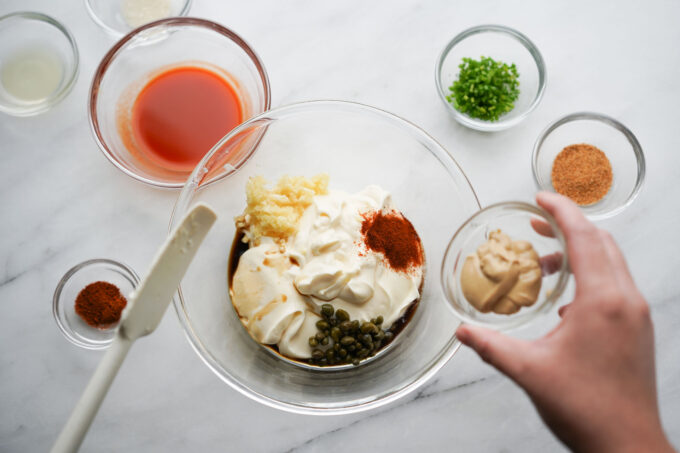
(583, 173)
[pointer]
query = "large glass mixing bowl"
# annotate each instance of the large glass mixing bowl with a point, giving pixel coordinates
(357, 146)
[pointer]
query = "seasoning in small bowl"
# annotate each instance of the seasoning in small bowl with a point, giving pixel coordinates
(89, 301)
(120, 17)
(583, 173)
(592, 159)
(100, 304)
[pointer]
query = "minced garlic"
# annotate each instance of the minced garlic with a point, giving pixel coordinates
(276, 212)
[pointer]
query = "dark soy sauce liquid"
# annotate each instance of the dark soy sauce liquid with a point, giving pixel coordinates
(238, 248)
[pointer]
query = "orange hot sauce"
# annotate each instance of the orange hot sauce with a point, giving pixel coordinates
(181, 113)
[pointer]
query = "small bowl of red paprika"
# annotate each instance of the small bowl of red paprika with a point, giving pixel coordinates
(89, 300)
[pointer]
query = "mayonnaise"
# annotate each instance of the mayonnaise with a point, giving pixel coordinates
(278, 291)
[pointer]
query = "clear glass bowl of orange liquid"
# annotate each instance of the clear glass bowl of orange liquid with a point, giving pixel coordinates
(168, 91)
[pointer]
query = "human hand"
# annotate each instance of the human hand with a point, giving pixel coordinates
(592, 378)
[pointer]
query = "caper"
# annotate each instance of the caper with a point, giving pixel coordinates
(346, 326)
(355, 362)
(379, 320)
(351, 348)
(380, 335)
(336, 346)
(342, 353)
(366, 338)
(346, 340)
(317, 354)
(325, 341)
(319, 336)
(342, 315)
(377, 345)
(362, 353)
(335, 333)
(368, 327)
(355, 325)
(322, 325)
(389, 336)
(330, 354)
(327, 310)
(313, 342)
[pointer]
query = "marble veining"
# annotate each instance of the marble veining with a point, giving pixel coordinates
(63, 202)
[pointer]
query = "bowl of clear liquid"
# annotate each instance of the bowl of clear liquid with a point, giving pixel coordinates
(38, 63)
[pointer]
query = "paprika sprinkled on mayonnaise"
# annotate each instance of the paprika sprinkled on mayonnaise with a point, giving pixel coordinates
(502, 276)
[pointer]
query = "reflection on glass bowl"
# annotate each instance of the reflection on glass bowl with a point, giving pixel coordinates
(356, 145)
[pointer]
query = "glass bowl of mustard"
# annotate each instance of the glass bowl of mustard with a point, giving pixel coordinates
(504, 266)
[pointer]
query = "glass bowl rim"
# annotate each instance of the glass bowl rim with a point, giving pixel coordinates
(550, 301)
(182, 203)
(58, 95)
(112, 31)
(608, 120)
(114, 52)
(500, 125)
(56, 298)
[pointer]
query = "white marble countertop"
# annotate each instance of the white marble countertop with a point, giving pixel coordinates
(63, 202)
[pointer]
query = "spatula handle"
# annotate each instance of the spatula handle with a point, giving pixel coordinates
(77, 425)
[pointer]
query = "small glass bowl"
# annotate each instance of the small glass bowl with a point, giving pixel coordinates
(39, 40)
(516, 220)
(78, 277)
(155, 47)
(614, 139)
(502, 44)
(111, 15)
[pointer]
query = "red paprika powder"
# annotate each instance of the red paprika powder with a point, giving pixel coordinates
(100, 304)
(394, 236)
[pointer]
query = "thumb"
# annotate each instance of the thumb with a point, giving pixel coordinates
(508, 355)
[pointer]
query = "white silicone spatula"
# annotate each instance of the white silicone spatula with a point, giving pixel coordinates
(145, 310)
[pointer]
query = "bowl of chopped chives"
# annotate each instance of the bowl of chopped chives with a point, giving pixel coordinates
(490, 77)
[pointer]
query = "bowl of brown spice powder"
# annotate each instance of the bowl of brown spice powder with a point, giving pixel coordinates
(592, 159)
